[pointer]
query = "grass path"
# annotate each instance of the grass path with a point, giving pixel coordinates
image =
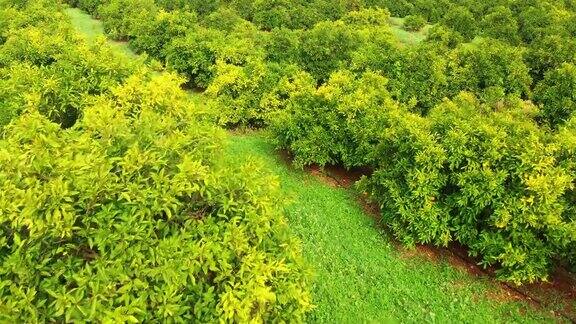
(92, 29)
(360, 276)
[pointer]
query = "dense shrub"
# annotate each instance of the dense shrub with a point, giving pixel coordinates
(461, 20)
(414, 22)
(445, 37)
(466, 173)
(123, 18)
(482, 178)
(548, 53)
(130, 216)
(194, 55)
(224, 19)
(420, 77)
(533, 22)
(487, 63)
(242, 92)
(505, 189)
(501, 24)
(58, 90)
(44, 64)
(367, 17)
(12, 19)
(152, 36)
(334, 123)
(35, 45)
(326, 47)
(284, 45)
(557, 94)
(379, 51)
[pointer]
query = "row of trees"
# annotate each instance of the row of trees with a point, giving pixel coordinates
(466, 132)
(201, 44)
(116, 204)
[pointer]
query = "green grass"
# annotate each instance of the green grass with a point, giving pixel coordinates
(92, 29)
(404, 36)
(360, 275)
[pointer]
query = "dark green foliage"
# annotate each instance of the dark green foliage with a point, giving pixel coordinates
(194, 55)
(501, 24)
(284, 45)
(533, 22)
(548, 53)
(326, 47)
(461, 20)
(557, 94)
(414, 22)
(486, 63)
(153, 36)
(269, 14)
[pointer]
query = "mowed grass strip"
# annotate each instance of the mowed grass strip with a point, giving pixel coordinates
(92, 29)
(361, 276)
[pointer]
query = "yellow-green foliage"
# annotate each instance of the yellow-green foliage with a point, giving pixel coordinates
(480, 168)
(130, 216)
(242, 92)
(59, 89)
(115, 202)
(44, 64)
(482, 174)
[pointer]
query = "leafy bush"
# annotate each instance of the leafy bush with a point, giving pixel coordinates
(486, 63)
(194, 55)
(420, 78)
(35, 45)
(130, 216)
(335, 123)
(242, 92)
(479, 177)
(326, 47)
(557, 95)
(224, 19)
(501, 24)
(549, 52)
(37, 13)
(284, 45)
(379, 51)
(122, 18)
(276, 13)
(414, 22)
(367, 17)
(461, 20)
(44, 64)
(59, 90)
(477, 173)
(445, 37)
(153, 36)
(505, 188)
